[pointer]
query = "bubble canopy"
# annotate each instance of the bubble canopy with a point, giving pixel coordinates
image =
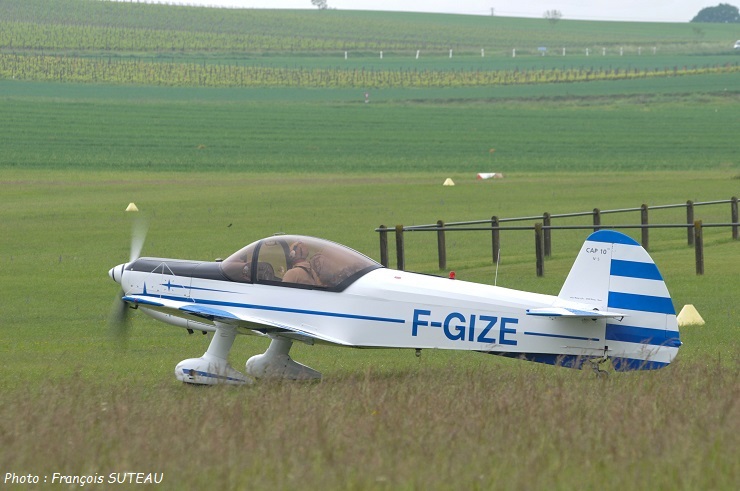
(298, 261)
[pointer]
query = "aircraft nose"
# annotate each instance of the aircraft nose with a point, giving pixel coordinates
(116, 272)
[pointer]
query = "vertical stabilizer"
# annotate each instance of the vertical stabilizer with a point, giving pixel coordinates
(613, 272)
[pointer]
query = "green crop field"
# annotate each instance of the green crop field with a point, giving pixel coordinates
(90, 41)
(213, 169)
(198, 132)
(92, 25)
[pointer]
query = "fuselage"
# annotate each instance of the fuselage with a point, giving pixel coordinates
(385, 308)
(613, 305)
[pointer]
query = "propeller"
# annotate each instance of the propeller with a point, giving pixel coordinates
(119, 323)
(138, 236)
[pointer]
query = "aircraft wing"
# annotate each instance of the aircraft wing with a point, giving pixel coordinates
(573, 313)
(237, 319)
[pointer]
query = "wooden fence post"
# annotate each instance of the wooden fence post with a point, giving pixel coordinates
(645, 230)
(690, 222)
(383, 245)
(548, 239)
(495, 242)
(539, 249)
(441, 247)
(699, 247)
(597, 219)
(400, 261)
(733, 207)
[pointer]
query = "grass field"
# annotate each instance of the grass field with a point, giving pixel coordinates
(215, 169)
(76, 403)
(205, 130)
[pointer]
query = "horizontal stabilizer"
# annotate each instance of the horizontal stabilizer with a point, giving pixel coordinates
(563, 312)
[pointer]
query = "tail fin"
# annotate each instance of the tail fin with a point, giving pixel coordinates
(614, 273)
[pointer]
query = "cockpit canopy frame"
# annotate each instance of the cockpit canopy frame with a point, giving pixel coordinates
(298, 261)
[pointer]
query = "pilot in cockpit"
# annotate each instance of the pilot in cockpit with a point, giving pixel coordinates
(300, 269)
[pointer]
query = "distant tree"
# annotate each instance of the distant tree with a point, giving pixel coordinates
(321, 4)
(722, 13)
(553, 16)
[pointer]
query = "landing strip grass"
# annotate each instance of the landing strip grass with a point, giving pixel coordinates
(76, 403)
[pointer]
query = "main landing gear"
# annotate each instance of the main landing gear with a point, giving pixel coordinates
(597, 363)
(213, 367)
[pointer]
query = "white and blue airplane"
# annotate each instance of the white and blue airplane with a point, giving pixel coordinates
(614, 307)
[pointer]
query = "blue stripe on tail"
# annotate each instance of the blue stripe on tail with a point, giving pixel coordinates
(632, 269)
(611, 237)
(642, 303)
(642, 335)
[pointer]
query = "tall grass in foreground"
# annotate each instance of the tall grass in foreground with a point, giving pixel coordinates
(485, 427)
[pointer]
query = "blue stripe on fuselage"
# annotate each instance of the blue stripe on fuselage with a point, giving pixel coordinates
(560, 336)
(620, 364)
(283, 309)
